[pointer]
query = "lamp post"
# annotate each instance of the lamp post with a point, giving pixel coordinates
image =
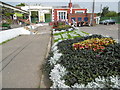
(100, 10)
(29, 14)
(30, 19)
(93, 7)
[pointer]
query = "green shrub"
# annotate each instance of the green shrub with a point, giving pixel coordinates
(47, 66)
(60, 23)
(9, 21)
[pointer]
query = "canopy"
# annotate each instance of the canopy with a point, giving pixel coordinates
(18, 14)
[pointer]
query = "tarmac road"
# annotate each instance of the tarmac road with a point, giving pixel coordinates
(109, 30)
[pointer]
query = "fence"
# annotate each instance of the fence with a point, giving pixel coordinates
(117, 19)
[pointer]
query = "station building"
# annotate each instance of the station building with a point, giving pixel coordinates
(72, 12)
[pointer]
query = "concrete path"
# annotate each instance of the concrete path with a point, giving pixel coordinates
(22, 60)
(110, 30)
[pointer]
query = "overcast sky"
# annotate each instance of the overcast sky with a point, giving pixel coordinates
(112, 4)
(59, 0)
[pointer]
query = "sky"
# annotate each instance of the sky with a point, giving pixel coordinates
(59, 0)
(112, 4)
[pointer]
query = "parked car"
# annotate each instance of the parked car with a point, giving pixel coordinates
(106, 22)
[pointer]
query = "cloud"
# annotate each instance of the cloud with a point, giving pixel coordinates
(59, 0)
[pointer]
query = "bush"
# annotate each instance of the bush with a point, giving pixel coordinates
(111, 14)
(84, 65)
(60, 25)
(47, 66)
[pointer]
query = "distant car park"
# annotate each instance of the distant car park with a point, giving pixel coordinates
(107, 22)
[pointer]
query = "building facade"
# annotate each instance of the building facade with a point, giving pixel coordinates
(62, 12)
(72, 12)
(41, 10)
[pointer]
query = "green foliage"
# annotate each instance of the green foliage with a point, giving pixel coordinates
(58, 24)
(21, 4)
(107, 13)
(98, 14)
(63, 27)
(9, 21)
(105, 10)
(84, 66)
(85, 32)
(7, 40)
(119, 14)
(111, 14)
(47, 66)
(8, 14)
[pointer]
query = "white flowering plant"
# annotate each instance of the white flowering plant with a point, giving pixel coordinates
(69, 68)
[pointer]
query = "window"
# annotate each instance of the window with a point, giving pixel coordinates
(79, 19)
(73, 19)
(86, 19)
(80, 11)
(62, 15)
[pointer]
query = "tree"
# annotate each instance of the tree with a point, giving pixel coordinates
(21, 4)
(98, 14)
(119, 14)
(105, 10)
(111, 14)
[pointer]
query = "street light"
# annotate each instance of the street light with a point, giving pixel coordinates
(100, 10)
(29, 14)
(93, 7)
(30, 19)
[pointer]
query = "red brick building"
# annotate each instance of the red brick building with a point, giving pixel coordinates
(72, 11)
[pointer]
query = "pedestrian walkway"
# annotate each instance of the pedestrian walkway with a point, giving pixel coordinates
(22, 59)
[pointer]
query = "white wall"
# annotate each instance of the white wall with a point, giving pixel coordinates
(11, 33)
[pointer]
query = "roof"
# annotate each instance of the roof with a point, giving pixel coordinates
(66, 7)
(12, 7)
(60, 7)
(76, 6)
(36, 8)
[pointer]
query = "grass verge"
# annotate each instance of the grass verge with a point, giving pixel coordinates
(8, 40)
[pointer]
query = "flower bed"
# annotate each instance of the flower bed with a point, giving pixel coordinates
(84, 68)
(61, 25)
(96, 44)
(85, 65)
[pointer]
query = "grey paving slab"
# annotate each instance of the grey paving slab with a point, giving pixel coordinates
(22, 69)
